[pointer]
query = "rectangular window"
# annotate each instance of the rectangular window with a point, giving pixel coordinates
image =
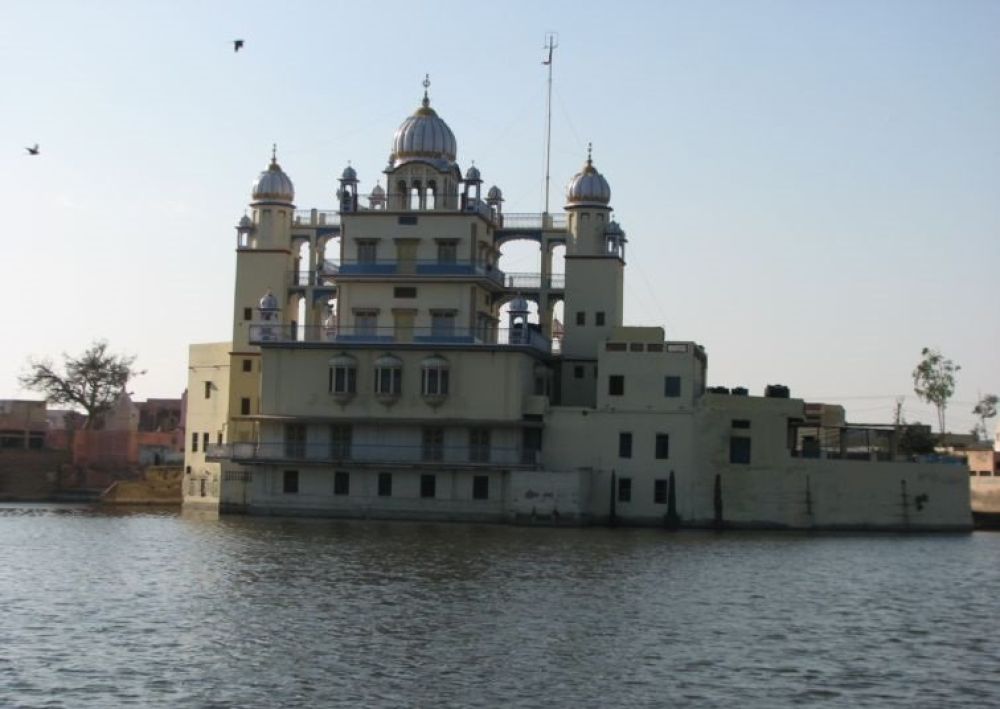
(741, 423)
(739, 450)
(671, 386)
(248, 365)
(662, 446)
(599, 318)
(208, 390)
(290, 482)
(295, 440)
(479, 445)
(340, 441)
(218, 437)
(660, 492)
(385, 484)
(433, 443)
(428, 485)
(367, 251)
(625, 445)
(194, 442)
(407, 221)
(442, 324)
(480, 487)
(365, 322)
(654, 347)
(447, 251)
(624, 489)
(245, 406)
(341, 483)
(248, 313)
(615, 347)
(204, 442)
(404, 292)
(578, 371)
(581, 317)
(389, 379)
(616, 385)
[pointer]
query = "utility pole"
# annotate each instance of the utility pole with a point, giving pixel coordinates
(551, 42)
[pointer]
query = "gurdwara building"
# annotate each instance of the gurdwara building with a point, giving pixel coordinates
(383, 366)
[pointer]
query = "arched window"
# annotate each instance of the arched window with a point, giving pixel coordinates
(435, 379)
(388, 378)
(415, 195)
(343, 381)
(430, 195)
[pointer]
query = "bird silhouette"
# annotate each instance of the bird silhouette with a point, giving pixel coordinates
(237, 45)
(33, 150)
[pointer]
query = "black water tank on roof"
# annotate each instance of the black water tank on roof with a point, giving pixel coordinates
(776, 391)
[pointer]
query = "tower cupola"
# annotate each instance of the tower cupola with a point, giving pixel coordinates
(588, 188)
(348, 192)
(273, 185)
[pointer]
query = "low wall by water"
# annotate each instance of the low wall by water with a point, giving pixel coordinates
(30, 474)
(159, 486)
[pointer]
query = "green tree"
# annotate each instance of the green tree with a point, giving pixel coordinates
(934, 381)
(93, 381)
(986, 408)
(916, 439)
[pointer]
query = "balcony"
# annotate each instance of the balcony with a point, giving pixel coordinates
(283, 334)
(315, 217)
(533, 281)
(374, 454)
(539, 220)
(382, 268)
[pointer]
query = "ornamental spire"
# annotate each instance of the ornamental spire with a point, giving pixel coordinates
(427, 84)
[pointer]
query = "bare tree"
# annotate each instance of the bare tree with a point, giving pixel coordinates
(934, 381)
(986, 408)
(93, 381)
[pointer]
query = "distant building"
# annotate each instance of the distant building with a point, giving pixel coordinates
(23, 424)
(382, 365)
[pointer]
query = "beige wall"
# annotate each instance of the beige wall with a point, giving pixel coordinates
(207, 363)
(484, 384)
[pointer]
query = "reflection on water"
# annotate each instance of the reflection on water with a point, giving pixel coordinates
(154, 608)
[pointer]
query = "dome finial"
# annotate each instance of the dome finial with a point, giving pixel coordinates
(274, 153)
(427, 84)
(590, 149)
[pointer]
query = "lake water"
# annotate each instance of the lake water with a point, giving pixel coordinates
(146, 608)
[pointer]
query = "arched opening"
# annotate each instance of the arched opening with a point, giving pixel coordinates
(415, 195)
(302, 265)
(430, 195)
(298, 308)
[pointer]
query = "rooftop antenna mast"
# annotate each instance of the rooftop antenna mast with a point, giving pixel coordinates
(551, 42)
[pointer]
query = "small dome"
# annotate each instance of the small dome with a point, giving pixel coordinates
(273, 185)
(614, 229)
(349, 174)
(588, 187)
(268, 301)
(245, 222)
(377, 191)
(424, 135)
(494, 194)
(519, 304)
(472, 174)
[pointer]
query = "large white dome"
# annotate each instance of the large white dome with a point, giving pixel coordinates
(424, 135)
(273, 185)
(588, 187)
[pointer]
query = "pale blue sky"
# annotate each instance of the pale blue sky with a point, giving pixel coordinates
(810, 189)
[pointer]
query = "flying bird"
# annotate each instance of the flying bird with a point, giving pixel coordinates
(33, 150)
(237, 45)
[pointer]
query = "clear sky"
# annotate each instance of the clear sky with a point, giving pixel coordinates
(810, 189)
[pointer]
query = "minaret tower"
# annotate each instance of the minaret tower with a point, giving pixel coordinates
(594, 281)
(263, 260)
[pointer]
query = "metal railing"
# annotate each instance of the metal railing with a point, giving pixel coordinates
(381, 454)
(535, 220)
(264, 333)
(533, 281)
(316, 217)
(386, 267)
